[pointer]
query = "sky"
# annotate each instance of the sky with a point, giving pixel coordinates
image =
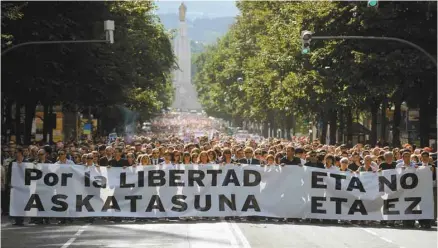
(196, 9)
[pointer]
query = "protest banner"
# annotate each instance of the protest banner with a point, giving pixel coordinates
(51, 190)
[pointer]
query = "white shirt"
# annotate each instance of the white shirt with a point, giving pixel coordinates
(68, 161)
(401, 164)
(332, 168)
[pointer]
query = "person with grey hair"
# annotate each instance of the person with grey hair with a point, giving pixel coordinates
(368, 164)
(344, 164)
(103, 161)
(389, 162)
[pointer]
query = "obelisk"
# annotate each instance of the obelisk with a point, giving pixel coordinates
(186, 97)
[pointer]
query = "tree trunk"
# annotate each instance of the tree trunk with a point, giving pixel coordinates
(341, 125)
(424, 123)
(324, 128)
(333, 126)
(265, 129)
(8, 120)
(383, 121)
(373, 137)
(396, 123)
(349, 122)
(51, 127)
(18, 130)
(45, 122)
(30, 109)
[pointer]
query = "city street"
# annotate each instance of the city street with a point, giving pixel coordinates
(212, 234)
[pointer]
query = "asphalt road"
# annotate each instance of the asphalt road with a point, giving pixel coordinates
(212, 234)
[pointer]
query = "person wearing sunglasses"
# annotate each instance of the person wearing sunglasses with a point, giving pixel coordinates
(313, 160)
(155, 158)
(62, 158)
(43, 160)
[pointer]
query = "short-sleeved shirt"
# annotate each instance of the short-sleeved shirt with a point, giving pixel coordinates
(121, 163)
(362, 168)
(315, 165)
(353, 167)
(294, 161)
(386, 166)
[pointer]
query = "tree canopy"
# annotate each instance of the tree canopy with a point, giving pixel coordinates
(133, 72)
(338, 78)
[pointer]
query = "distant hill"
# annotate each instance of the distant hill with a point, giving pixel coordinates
(199, 9)
(205, 30)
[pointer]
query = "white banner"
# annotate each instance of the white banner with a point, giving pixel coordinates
(50, 190)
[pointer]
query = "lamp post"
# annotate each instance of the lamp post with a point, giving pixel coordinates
(404, 108)
(108, 27)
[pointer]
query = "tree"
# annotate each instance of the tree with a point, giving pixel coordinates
(83, 75)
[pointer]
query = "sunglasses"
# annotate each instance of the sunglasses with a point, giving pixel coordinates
(89, 158)
(60, 154)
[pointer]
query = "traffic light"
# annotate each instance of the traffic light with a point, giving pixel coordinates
(373, 3)
(306, 37)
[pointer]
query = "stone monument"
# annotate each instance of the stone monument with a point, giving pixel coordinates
(186, 97)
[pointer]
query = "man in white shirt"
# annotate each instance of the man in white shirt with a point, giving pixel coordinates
(62, 158)
(406, 161)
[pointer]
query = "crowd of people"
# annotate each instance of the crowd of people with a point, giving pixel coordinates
(170, 146)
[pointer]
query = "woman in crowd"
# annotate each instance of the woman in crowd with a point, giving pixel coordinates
(203, 158)
(131, 159)
(278, 158)
(212, 156)
(226, 158)
(270, 160)
(329, 162)
(176, 158)
(186, 158)
(194, 158)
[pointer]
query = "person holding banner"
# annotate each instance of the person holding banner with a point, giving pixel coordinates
(249, 157)
(329, 163)
(144, 160)
(194, 157)
(186, 158)
(368, 165)
(388, 164)
(118, 161)
(103, 161)
(131, 159)
(176, 157)
(41, 160)
(62, 158)
(19, 159)
(425, 162)
(155, 159)
(313, 161)
(344, 164)
(203, 158)
(290, 158)
(226, 157)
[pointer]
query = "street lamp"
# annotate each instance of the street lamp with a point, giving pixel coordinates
(404, 108)
(108, 27)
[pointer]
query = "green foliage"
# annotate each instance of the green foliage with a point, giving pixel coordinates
(134, 71)
(264, 48)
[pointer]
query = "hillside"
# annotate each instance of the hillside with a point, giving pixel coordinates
(205, 30)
